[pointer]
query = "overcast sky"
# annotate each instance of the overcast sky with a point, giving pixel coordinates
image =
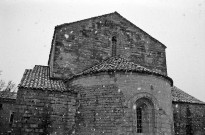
(27, 26)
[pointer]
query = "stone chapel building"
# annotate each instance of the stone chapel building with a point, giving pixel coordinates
(105, 76)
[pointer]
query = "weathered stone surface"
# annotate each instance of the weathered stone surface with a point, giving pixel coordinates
(189, 119)
(45, 112)
(105, 76)
(7, 106)
(106, 103)
(80, 45)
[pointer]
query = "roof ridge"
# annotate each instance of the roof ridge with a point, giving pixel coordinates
(104, 15)
(111, 60)
(140, 29)
(122, 60)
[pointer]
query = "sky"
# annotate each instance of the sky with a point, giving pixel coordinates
(27, 26)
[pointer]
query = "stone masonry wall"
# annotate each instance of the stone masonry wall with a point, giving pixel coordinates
(80, 45)
(189, 119)
(107, 103)
(44, 112)
(6, 109)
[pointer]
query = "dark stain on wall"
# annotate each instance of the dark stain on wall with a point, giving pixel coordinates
(7, 106)
(189, 119)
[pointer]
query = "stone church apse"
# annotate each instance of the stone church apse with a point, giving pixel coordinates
(104, 76)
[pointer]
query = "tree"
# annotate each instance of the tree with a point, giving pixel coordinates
(7, 90)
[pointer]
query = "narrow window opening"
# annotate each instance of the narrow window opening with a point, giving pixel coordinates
(139, 120)
(11, 118)
(114, 45)
(114, 39)
(1, 106)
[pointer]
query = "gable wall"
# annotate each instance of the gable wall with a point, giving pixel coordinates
(83, 44)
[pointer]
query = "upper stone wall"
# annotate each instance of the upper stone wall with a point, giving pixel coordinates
(80, 45)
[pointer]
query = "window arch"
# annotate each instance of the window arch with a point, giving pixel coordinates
(145, 116)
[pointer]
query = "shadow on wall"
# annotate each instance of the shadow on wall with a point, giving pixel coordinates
(6, 115)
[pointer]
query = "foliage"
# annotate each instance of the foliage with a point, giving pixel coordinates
(7, 90)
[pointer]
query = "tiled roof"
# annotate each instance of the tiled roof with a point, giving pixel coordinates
(180, 96)
(121, 64)
(117, 63)
(38, 78)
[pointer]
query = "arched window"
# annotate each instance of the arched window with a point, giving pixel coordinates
(145, 116)
(139, 120)
(114, 45)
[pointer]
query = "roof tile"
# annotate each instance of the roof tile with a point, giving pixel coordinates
(181, 96)
(39, 78)
(120, 64)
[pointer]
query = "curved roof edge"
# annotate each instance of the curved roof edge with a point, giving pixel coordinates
(39, 78)
(117, 63)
